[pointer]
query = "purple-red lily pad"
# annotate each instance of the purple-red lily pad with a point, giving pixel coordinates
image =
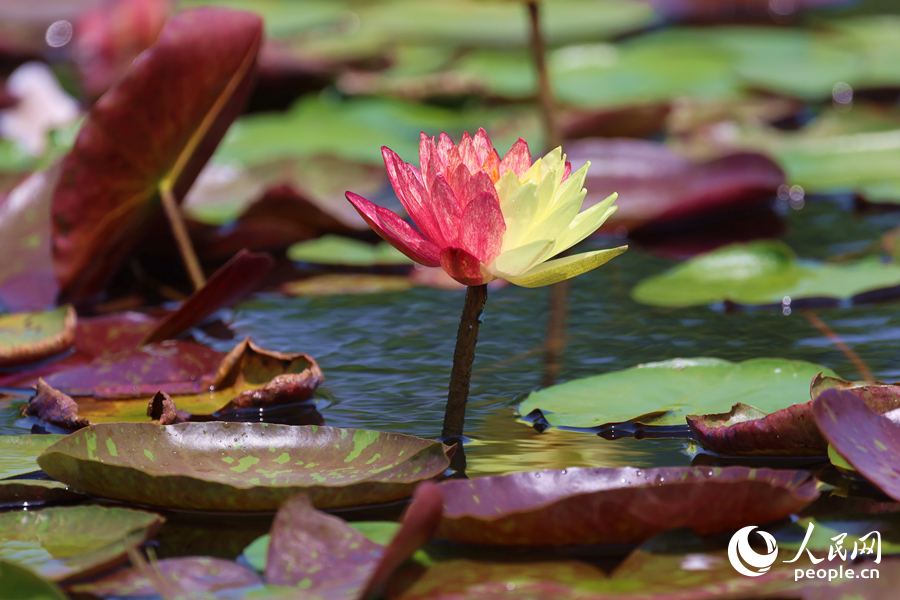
(237, 278)
(657, 187)
(868, 441)
(586, 506)
(155, 128)
(307, 548)
(242, 466)
(192, 575)
(71, 542)
(199, 380)
(791, 431)
(33, 336)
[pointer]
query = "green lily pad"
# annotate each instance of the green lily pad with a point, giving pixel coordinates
(65, 543)
(337, 250)
(242, 466)
(36, 491)
(334, 284)
(18, 453)
(827, 527)
(840, 463)
(664, 393)
(18, 583)
(32, 336)
(758, 273)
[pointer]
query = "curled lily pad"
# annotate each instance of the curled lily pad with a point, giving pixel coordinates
(18, 453)
(663, 393)
(247, 377)
(242, 466)
(29, 337)
(65, 543)
(19, 492)
(195, 574)
(868, 441)
(759, 273)
(234, 280)
(791, 431)
(582, 506)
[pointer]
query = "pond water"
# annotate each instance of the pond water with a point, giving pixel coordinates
(387, 357)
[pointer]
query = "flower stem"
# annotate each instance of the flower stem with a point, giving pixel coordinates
(545, 91)
(463, 357)
(182, 238)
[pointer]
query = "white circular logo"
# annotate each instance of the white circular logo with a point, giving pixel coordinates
(740, 552)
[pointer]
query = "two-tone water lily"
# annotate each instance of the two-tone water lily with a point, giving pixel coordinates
(481, 217)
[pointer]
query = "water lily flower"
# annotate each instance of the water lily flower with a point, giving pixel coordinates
(481, 217)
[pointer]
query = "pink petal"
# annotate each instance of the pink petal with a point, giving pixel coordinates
(447, 211)
(445, 144)
(482, 226)
(411, 193)
(459, 181)
(412, 243)
(567, 171)
(479, 183)
(453, 159)
(396, 231)
(427, 158)
(467, 153)
(463, 267)
(491, 165)
(517, 160)
(482, 144)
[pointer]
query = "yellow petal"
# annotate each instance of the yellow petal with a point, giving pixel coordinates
(550, 161)
(565, 268)
(534, 172)
(519, 212)
(520, 259)
(506, 185)
(557, 222)
(586, 223)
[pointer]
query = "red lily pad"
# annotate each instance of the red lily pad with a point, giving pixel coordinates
(27, 281)
(247, 377)
(29, 337)
(659, 188)
(95, 337)
(156, 127)
(194, 575)
(307, 547)
(237, 278)
(242, 466)
(791, 431)
(581, 506)
(72, 542)
(868, 441)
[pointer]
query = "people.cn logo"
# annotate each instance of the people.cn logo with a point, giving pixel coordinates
(740, 553)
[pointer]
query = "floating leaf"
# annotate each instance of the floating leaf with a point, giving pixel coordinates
(868, 441)
(336, 250)
(198, 574)
(110, 179)
(663, 393)
(827, 527)
(30, 337)
(308, 547)
(582, 506)
(242, 466)
(791, 431)
(19, 583)
(350, 283)
(763, 272)
(657, 187)
(234, 280)
(70, 542)
(18, 453)
(32, 492)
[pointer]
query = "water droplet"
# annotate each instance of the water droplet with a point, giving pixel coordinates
(564, 471)
(537, 475)
(639, 473)
(709, 473)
